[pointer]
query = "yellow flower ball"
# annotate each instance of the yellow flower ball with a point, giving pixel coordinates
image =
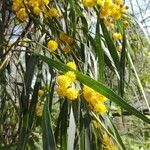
(72, 65)
(100, 97)
(100, 108)
(72, 93)
(117, 36)
(100, 2)
(118, 2)
(40, 93)
(87, 93)
(61, 91)
(71, 75)
(63, 81)
(52, 45)
(116, 13)
(53, 12)
(17, 4)
(89, 3)
(46, 2)
(21, 14)
(36, 10)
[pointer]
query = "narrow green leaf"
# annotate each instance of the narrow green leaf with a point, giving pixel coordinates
(110, 44)
(97, 86)
(48, 137)
(122, 66)
(99, 52)
(64, 125)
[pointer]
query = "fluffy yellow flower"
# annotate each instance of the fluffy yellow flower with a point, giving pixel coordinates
(46, 2)
(53, 12)
(92, 96)
(63, 81)
(61, 91)
(89, 3)
(95, 99)
(118, 2)
(105, 13)
(40, 93)
(17, 4)
(21, 14)
(108, 4)
(100, 2)
(72, 65)
(99, 108)
(52, 45)
(88, 93)
(100, 97)
(71, 75)
(117, 36)
(72, 93)
(116, 13)
(36, 10)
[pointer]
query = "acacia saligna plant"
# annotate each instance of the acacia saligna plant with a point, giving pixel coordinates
(64, 66)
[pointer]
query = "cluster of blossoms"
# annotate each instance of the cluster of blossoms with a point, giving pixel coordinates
(95, 99)
(110, 11)
(108, 8)
(64, 39)
(65, 83)
(23, 8)
(107, 142)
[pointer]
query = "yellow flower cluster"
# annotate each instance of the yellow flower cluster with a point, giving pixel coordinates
(117, 36)
(114, 9)
(52, 45)
(23, 7)
(95, 99)
(107, 143)
(52, 12)
(64, 83)
(89, 3)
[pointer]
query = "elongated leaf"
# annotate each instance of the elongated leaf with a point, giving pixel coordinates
(99, 52)
(48, 137)
(122, 66)
(99, 87)
(110, 44)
